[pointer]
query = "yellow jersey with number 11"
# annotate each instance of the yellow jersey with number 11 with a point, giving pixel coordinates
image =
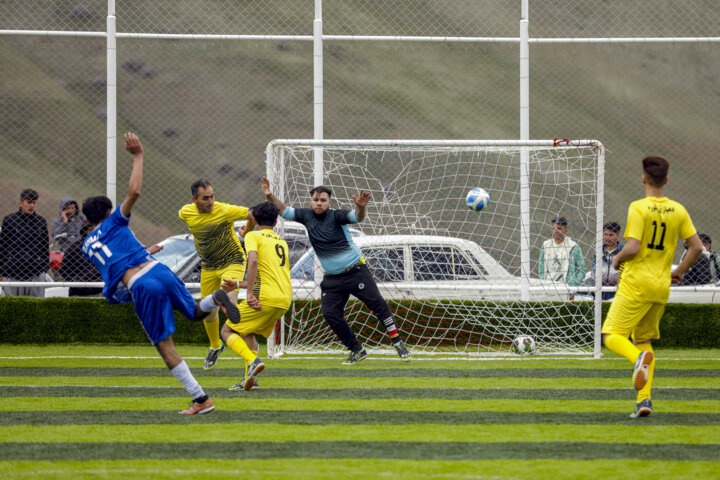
(657, 222)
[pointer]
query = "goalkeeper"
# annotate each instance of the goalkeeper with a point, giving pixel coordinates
(345, 270)
(223, 258)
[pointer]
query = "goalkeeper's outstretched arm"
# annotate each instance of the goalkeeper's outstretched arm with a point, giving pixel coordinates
(269, 195)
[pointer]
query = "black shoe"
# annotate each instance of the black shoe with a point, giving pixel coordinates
(254, 369)
(229, 308)
(356, 357)
(642, 409)
(402, 351)
(212, 357)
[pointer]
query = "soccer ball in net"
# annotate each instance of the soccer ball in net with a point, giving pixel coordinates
(477, 199)
(523, 345)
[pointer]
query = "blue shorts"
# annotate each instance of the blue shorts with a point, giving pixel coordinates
(156, 293)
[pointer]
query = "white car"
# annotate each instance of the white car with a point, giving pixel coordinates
(430, 267)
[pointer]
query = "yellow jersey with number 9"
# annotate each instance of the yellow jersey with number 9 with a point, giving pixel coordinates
(657, 222)
(272, 286)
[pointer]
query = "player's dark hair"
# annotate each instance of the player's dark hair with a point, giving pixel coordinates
(195, 187)
(656, 170)
(560, 221)
(265, 213)
(705, 238)
(29, 194)
(321, 189)
(613, 227)
(97, 209)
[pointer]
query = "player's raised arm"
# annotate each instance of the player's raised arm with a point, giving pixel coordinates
(361, 202)
(133, 145)
(269, 195)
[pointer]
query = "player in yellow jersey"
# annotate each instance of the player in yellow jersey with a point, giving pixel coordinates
(222, 255)
(654, 225)
(269, 293)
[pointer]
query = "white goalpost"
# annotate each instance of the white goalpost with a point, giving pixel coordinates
(458, 281)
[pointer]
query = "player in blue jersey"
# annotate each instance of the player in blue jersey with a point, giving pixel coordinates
(342, 261)
(131, 274)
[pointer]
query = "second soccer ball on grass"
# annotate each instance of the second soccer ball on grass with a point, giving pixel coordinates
(477, 199)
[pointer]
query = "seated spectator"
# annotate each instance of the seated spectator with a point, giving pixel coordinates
(701, 273)
(611, 247)
(67, 225)
(24, 247)
(74, 268)
(560, 257)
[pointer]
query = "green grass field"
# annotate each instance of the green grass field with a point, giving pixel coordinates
(98, 411)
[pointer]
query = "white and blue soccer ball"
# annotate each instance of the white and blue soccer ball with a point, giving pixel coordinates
(477, 199)
(523, 345)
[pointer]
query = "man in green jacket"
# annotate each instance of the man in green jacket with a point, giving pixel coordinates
(560, 257)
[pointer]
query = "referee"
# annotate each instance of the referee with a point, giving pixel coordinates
(345, 270)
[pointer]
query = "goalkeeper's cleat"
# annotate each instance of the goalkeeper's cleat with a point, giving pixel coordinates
(642, 365)
(356, 357)
(199, 408)
(402, 351)
(253, 371)
(228, 307)
(642, 409)
(212, 357)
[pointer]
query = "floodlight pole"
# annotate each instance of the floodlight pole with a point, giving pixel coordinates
(318, 91)
(111, 105)
(524, 155)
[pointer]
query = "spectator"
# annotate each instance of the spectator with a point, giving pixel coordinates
(74, 268)
(611, 247)
(702, 272)
(560, 257)
(714, 257)
(67, 225)
(24, 247)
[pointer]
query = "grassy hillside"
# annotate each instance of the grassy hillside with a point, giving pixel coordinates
(208, 109)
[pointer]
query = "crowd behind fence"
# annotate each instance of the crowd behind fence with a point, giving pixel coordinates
(206, 84)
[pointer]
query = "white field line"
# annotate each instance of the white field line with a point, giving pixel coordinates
(334, 357)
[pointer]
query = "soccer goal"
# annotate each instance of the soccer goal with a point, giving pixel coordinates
(459, 281)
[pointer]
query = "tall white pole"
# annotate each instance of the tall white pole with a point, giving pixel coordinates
(318, 91)
(524, 155)
(111, 108)
(599, 215)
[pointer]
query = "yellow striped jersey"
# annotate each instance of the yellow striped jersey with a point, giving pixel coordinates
(214, 234)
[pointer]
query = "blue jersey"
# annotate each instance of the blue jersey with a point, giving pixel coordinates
(113, 249)
(330, 237)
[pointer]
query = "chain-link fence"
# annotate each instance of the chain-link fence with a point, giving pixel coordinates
(206, 84)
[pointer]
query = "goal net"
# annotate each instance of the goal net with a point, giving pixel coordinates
(457, 280)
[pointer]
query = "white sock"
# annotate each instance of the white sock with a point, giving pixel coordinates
(182, 373)
(208, 304)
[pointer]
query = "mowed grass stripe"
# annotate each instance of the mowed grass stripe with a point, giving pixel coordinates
(529, 373)
(371, 392)
(389, 450)
(357, 469)
(348, 417)
(356, 382)
(438, 433)
(601, 407)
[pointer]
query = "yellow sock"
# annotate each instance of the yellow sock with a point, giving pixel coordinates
(622, 346)
(238, 345)
(212, 327)
(645, 392)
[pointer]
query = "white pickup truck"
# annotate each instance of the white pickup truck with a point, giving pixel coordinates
(429, 267)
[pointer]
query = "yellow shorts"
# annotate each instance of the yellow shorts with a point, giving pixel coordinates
(210, 280)
(256, 321)
(627, 317)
